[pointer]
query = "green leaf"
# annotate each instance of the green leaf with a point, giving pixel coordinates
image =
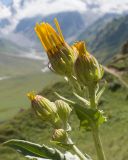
(99, 94)
(86, 102)
(89, 117)
(35, 150)
(63, 145)
(99, 117)
(63, 98)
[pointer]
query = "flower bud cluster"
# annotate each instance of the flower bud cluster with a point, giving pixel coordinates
(69, 60)
(55, 113)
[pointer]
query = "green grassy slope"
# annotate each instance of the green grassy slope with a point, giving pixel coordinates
(23, 75)
(6, 46)
(13, 91)
(119, 66)
(17, 66)
(114, 133)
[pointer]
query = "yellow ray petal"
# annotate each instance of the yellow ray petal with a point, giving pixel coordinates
(31, 95)
(80, 46)
(43, 36)
(39, 36)
(54, 33)
(53, 43)
(45, 32)
(58, 28)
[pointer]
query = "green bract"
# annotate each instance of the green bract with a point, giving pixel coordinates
(62, 60)
(63, 110)
(59, 135)
(45, 109)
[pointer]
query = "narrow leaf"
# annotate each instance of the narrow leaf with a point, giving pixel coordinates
(99, 94)
(35, 150)
(63, 145)
(63, 98)
(86, 102)
(89, 117)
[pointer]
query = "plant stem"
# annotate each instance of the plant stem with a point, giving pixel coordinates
(95, 130)
(98, 144)
(76, 150)
(92, 96)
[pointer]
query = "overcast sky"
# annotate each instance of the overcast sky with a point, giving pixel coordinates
(33, 7)
(7, 2)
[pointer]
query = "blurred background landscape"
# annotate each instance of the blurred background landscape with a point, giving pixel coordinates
(103, 25)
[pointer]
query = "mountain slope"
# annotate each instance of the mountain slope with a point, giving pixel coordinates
(91, 31)
(71, 23)
(8, 47)
(73, 17)
(118, 66)
(108, 40)
(11, 65)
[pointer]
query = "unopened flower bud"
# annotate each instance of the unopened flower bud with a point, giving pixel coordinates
(63, 110)
(59, 135)
(60, 54)
(44, 108)
(88, 70)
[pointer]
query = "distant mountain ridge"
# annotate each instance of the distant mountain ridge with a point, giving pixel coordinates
(71, 24)
(73, 20)
(8, 47)
(106, 40)
(90, 24)
(95, 27)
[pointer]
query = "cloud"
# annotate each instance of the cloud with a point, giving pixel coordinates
(44, 7)
(4, 11)
(20, 9)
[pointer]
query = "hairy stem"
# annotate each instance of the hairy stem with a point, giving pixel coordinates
(95, 129)
(98, 144)
(76, 150)
(92, 96)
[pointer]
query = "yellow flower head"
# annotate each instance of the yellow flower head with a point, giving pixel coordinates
(88, 70)
(80, 46)
(49, 38)
(43, 108)
(60, 54)
(31, 95)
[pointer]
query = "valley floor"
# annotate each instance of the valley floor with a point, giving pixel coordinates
(13, 91)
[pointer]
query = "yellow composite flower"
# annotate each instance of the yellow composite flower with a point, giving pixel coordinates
(43, 108)
(60, 54)
(87, 69)
(57, 113)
